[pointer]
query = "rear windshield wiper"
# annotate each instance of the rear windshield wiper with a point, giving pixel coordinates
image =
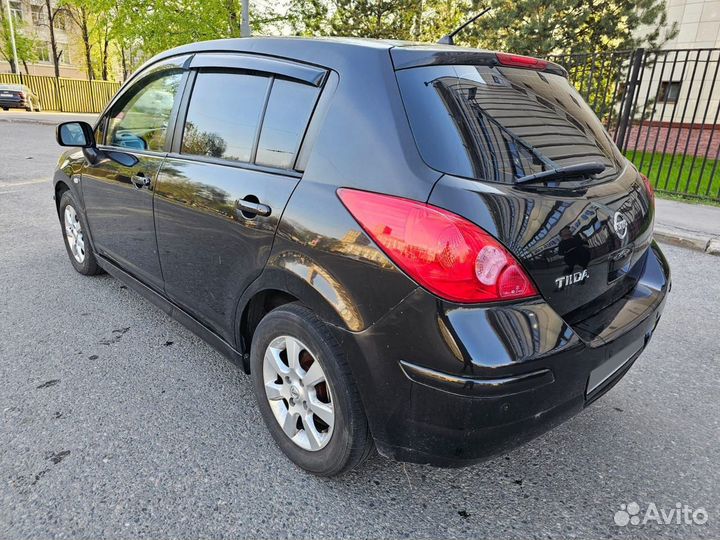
(561, 173)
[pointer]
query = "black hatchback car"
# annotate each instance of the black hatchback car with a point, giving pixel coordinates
(432, 250)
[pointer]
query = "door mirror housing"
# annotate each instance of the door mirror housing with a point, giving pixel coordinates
(75, 134)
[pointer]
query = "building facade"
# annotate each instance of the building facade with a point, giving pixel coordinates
(30, 18)
(698, 22)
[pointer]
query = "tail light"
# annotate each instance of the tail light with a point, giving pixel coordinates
(443, 252)
(516, 60)
(648, 186)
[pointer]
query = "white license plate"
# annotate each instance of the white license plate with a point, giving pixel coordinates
(607, 369)
(6, 95)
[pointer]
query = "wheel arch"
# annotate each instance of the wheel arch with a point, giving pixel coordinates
(305, 283)
(61, 186)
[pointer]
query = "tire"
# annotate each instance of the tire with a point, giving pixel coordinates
(6, 108)
(345, 444)
(82, 258)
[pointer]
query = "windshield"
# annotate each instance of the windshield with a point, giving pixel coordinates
(500, 124)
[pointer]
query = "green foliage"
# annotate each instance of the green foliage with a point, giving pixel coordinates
(25, 44)
(373, 18)
(542, 27)
(537, 27)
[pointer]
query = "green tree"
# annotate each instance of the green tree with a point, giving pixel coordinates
(373, 18)
(538, 27)
(83, 14)
(25, 44)
(543, 27)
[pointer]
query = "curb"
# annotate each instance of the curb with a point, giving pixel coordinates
(696, 241)
(41, 121)
(28, 121)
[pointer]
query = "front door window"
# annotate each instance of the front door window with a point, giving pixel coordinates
(141, 123)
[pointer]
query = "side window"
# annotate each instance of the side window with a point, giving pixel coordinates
(141, 122)
(287, 115)
(224, 115)
(100, 131)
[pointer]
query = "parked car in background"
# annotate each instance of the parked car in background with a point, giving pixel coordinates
(432, 250)
(18, 96)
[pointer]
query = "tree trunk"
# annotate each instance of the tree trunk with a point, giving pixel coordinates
(85, 31)
(418, 21)
(106, 42)
(231, 7)
(123, 57)
(53, 42)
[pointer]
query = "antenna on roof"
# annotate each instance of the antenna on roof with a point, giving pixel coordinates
(448, 39)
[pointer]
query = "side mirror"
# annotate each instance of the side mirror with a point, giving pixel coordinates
(77, 134)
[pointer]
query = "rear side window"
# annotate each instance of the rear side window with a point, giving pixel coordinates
(287, 115)
(247, 118)
(224, 115)
(498, 123)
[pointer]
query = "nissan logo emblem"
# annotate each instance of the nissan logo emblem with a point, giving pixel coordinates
(620, 224)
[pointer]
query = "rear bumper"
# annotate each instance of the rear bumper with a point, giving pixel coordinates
(14, 104)
(451, 385)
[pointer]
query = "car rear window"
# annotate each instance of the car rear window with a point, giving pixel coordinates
(498, 124)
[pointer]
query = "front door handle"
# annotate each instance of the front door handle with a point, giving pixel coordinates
(140, 181)
(250, 208)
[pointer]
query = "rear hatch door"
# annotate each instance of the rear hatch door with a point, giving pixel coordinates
(582, 239)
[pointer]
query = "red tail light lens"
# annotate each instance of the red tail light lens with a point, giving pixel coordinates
(445, 253)
(648, 186)
(516, 60)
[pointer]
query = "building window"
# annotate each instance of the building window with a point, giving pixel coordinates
(64, 52)
(669, 91)
(38, 15)
(59, 20)
(16, 11)
(43, 51)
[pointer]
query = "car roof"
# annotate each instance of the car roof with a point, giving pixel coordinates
(13, 87)
(336, 52)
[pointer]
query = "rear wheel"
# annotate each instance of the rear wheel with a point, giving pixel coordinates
(306, 394)
(78, 248)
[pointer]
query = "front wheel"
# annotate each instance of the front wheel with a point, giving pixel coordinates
(306, 393)
(76, 243)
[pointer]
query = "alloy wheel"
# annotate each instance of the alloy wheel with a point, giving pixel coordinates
(74, 234)
(298, 393)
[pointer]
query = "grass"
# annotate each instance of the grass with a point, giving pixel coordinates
(669, 178)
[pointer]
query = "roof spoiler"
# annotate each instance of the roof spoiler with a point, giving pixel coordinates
(405, 57)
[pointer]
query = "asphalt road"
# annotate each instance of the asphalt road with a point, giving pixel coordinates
(118, 422)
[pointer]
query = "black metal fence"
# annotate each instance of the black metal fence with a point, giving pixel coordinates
(661, 107)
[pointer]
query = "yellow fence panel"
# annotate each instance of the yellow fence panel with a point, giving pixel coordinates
(67, 95)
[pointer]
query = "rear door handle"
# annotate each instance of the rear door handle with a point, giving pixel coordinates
(140, 180)
(254, 208)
